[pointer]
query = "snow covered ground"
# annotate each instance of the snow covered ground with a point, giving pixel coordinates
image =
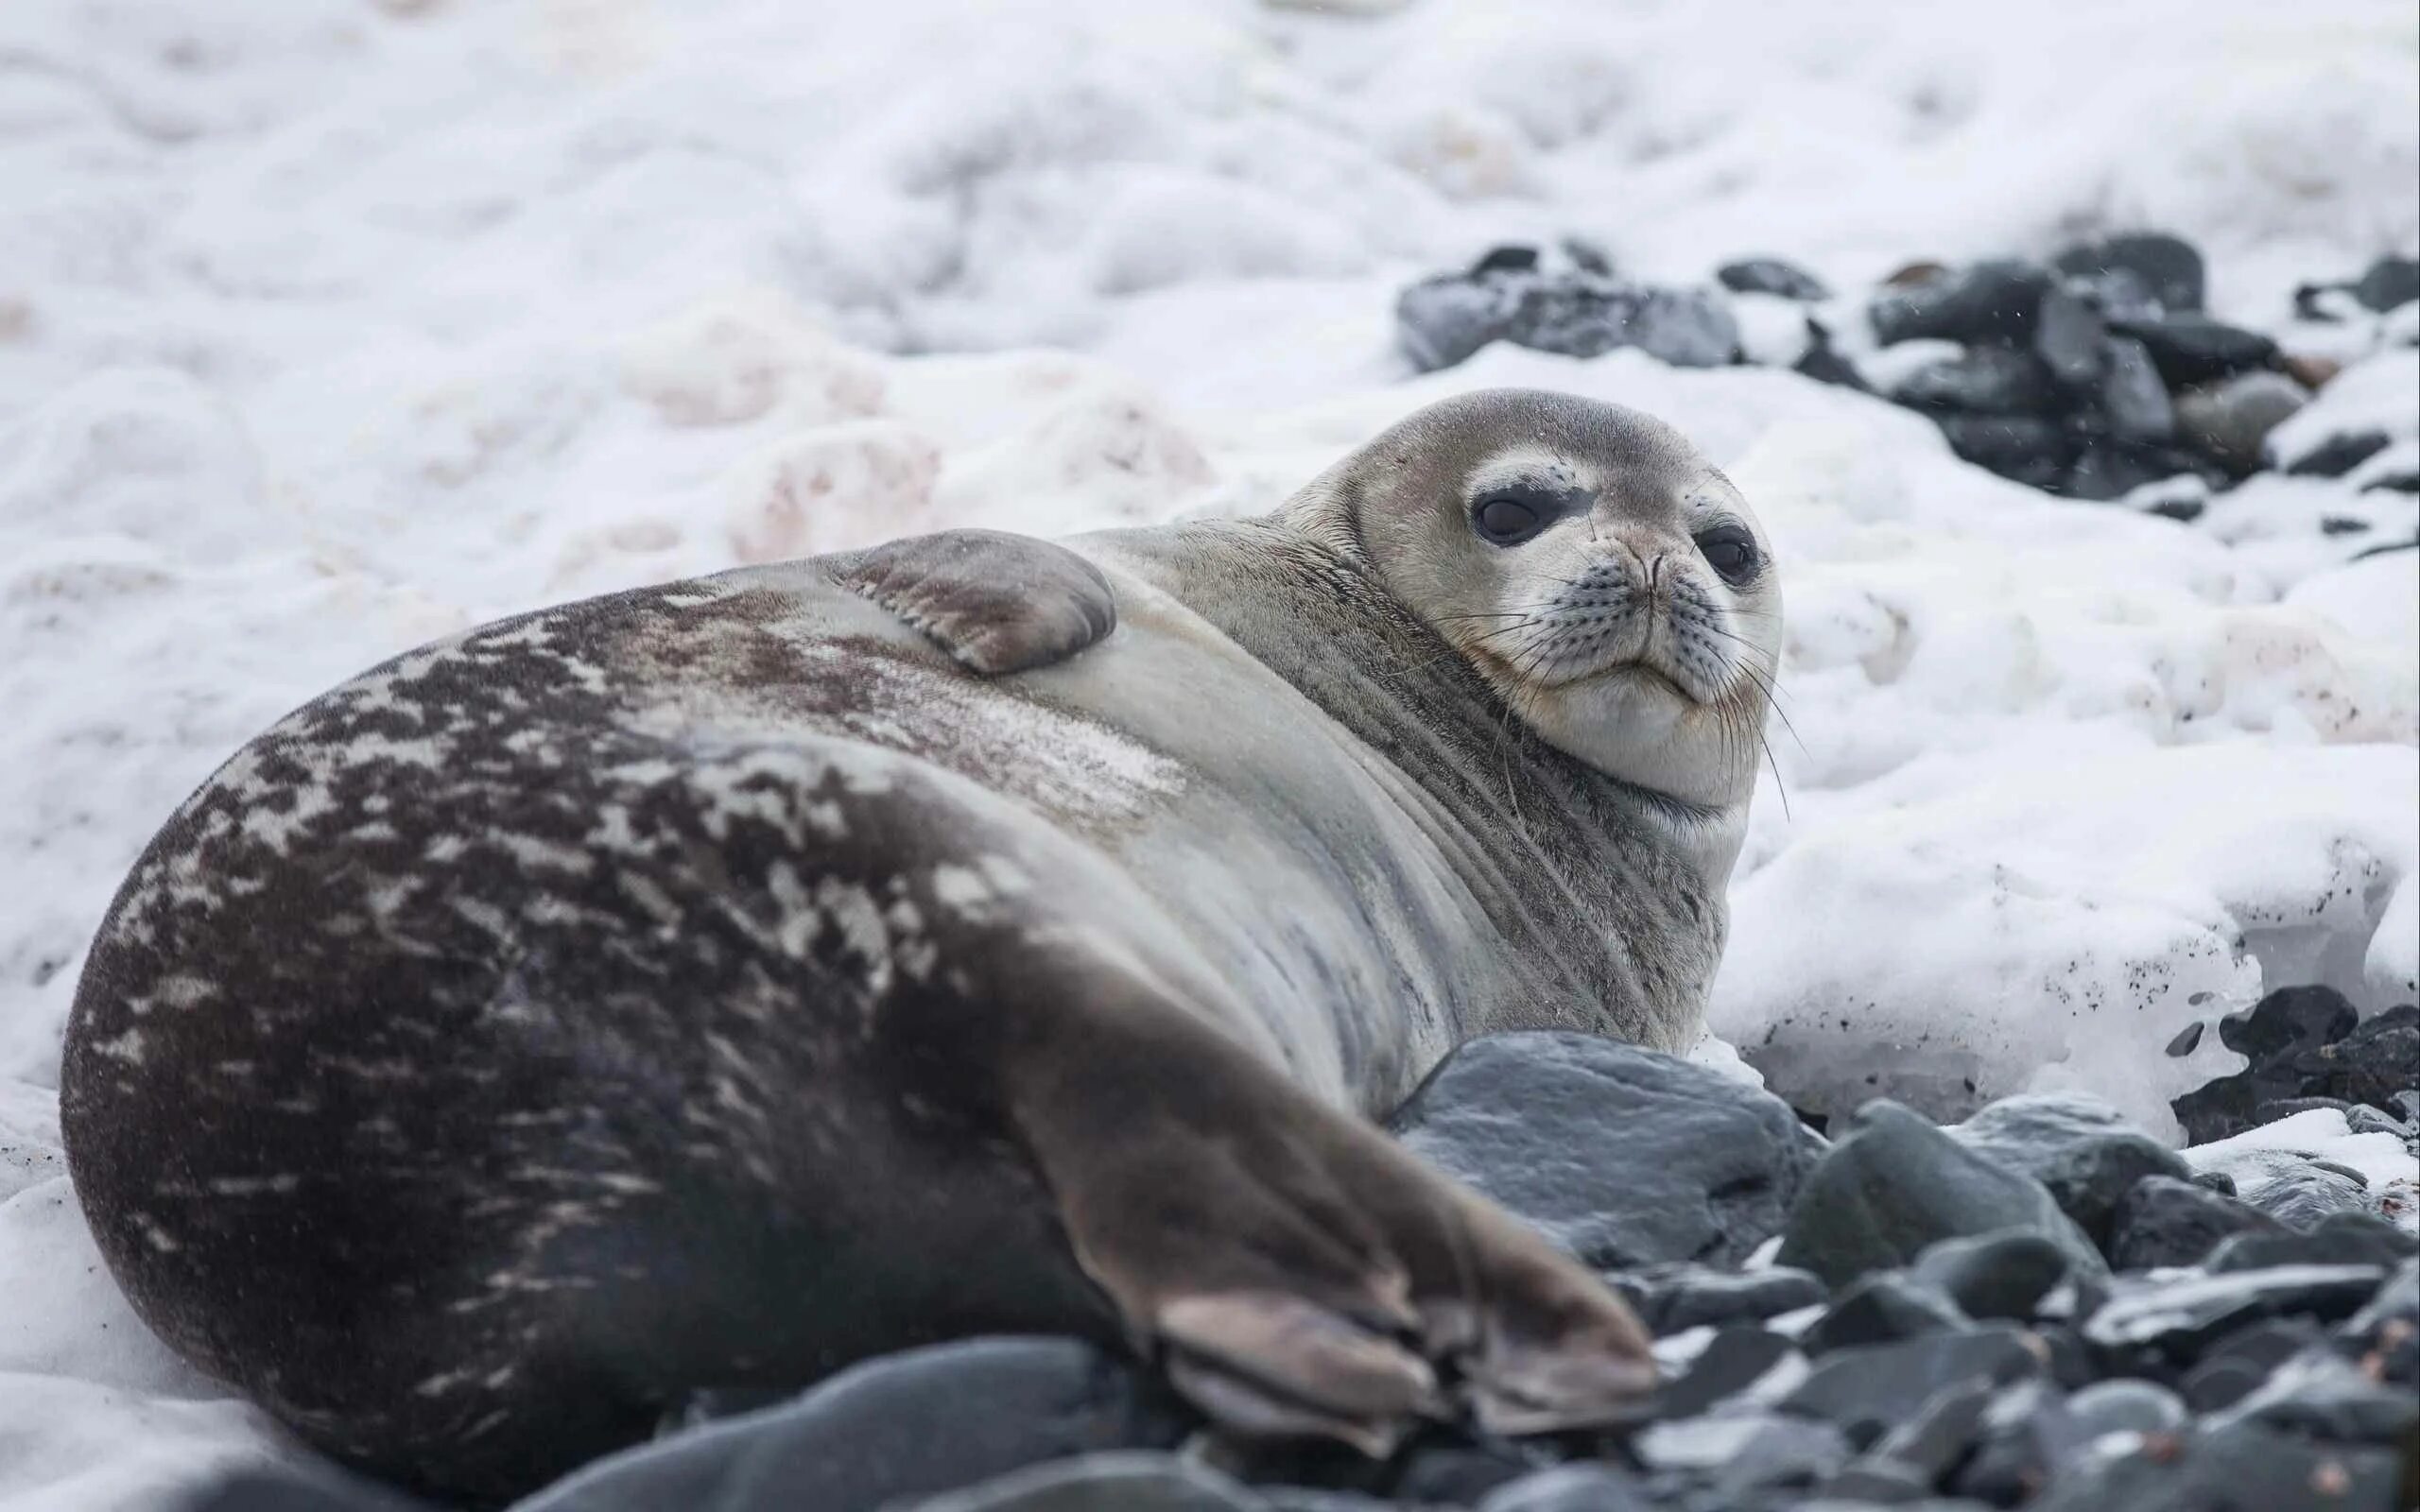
(328, 326)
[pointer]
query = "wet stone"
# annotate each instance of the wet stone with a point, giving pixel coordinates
(2389, 283)
(1981, 381)
(2079, 1148)
(1994, 1276)
(1879, 1308)
(2194, 349)
(2167, 268)
(1670, 1299)
(2238, 1364)
(1896, 1184)
(2179, 1317)
(1991, 301)
(2125, 1405)
(1771, 275)
(1869, 1391)
(1708, 1167)
(2163, 1221)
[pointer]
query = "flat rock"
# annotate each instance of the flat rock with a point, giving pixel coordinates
(1981, 381)
(1895, 1183)
(1623, 1156)
(1771, 275)
(1867, 1392)
(2179, 1317)
(2079, 1148)
(1093, 1483)
(1988, 303)
(1668, 1299)
(896, 1427)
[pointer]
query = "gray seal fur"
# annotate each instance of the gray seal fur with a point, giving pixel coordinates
(707, 986)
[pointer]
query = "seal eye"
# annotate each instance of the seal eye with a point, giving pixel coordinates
(1730, 551)
(1506, 521)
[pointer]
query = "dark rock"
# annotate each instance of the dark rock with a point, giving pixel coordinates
(2235, 1366)
(2079, 1148)
(2163, 1221)
(2284, 1107)
(2124, 1405)
(1320, 1498)
(1732, 1361)
(1896, 1184)
(1879, 1308)
(1509, 259)
(1993, 301)
(1869, 1391)
(2025, 448)
(2240, 1467)
(2229, 422)
(2339, 1239)
(1444, 320)
(2106, 469)
(2218, 1182)
(1942, 1431)
(2132, 395)
(1996, 1276)
(1595, 1487)
(2295, 1189)
(1093, 1483)
(2168, 267)
(1874, 1480)
(2324, 303)
(1587, 256)
(2391, 282)
(1623, 1156)
(1458, 1474)
(2072, 1364)
(1740, 1452)
(2187, 1040)
(2119, 295)
(2027, 1435)
(307, 1487)
(2179, 1317)
(2194, 349)
(1824, 363)
(1668, 1299)
(2388, 1328)
(1771, 275)
(893, 1429)
(2338, 454)
(2069, 337)
(1981, 381)
(2323, 1394)
(2291, 1018)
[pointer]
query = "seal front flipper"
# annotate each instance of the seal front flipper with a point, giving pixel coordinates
(996, 602)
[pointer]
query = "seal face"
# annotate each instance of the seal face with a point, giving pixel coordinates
(706, 986)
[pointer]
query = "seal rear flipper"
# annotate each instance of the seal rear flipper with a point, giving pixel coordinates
(996, 602)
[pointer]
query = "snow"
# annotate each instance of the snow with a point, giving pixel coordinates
(328, 326)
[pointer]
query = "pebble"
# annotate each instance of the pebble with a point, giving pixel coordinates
(2077, 1146)
(2002, 1276)
(2126, 1405)
(1668, 1299)
(1091, 1483)
(1990, 301)
(1771, 275)
(2179, 1317)
(1879, 1308)
(2194, 349)
(899, 1426)
(1708, 1167)
(2132, 396)
(2163, 1221)
(2168, 268)
(2229, 422)
(1869, 1391)
(1896, 1184)
(1981, 381)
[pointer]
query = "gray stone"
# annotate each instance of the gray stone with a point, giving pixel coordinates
(1624, 1155)
(1994, 1276)
(1442, 320)
(2219, 1469)
(2229, 420)
(1993, 301)
(1572, 1489)
(2167, 267)
(2125, 1405)
(1771, 275)
(2180, 1317)
(1981, 381)
(2194, 349)
(1896, 1184)
(2075, 1144)
(1095, 1483)
(2132, 398)
(2167, 1222)
(1868, 1392)
(2069, 335)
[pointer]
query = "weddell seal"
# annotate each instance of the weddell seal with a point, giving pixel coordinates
(712, 985)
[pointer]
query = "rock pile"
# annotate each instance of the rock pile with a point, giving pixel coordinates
(2040, 1308)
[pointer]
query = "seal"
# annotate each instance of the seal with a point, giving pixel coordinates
(706, 986)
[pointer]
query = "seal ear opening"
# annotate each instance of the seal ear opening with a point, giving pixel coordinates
(997, 603)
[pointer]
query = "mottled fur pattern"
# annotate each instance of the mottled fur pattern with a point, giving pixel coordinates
(649, 993)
